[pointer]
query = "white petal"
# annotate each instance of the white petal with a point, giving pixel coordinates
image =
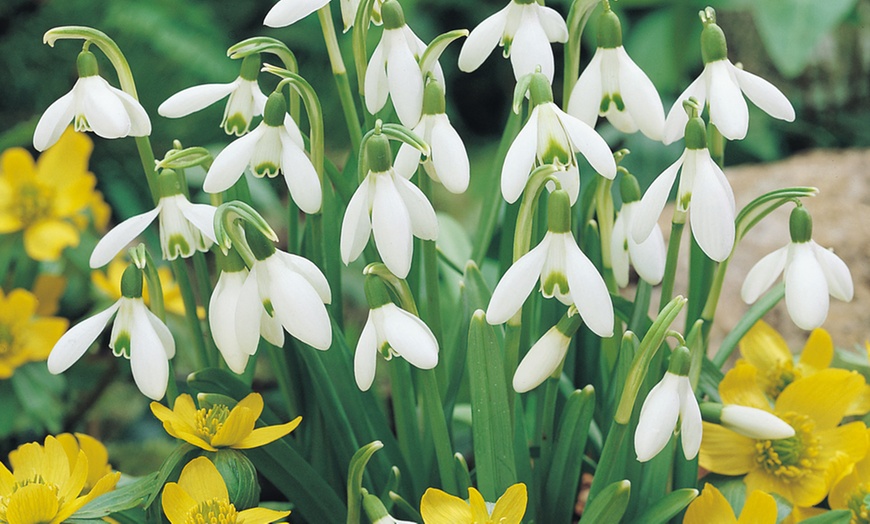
(763, 274)
(230, 163)
(675, 123)
(310, 272)
(365, 356)
(585, 100)
(836, 272)
(163, 333)
(765, 95)
(293, 130)
(482, 41)
(147, 357)
(658, 418)
(519, 160)
(408, 158)
(376, 87)
(221, 318)
(712, 214)
(653, 202)
(588, 290)
(54, 121)
(356, 225)
(140, 124)
(641, 98)
(806, 289)
(754, 423)
(516, 284)
(103, 110)
(410, 337)
(271, 330)
(248, 309)
(588, 142)
(73, 344)
(449, 156)
(301, 178)
(648, 257)
(287, 12)
(541, 361)
(193, 99)
(121, 235)
(297, 305)
(728, 111)
(553, 24)
(392, 226)
(619, 250)
(404, 78)
(570, 181)
(200, 215)
(424, 223)
(690, 420)
(531, 47)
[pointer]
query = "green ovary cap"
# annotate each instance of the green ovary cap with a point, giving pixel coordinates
(131, 282)
(392, 15)
(800, 225)
(169, 183)
(540, 91)
(250, 67)
(261, 247)
(86, 63)
(696, 133)
(629, 188)
(433, 99)
(713, 45)
(378, 154)
(680, 362)
(276, 108)
(376, 292)
(609, 30)
(231, 262)
(559, 212)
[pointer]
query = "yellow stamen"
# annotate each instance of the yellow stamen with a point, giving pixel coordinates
(791, 458)
(214, 511)
(209, 421)
(780, 376)
(860, 511)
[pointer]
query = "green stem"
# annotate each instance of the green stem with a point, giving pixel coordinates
(433, 412)
(715, 290)
(671, 260)
(203, 281)
(340, 73)
(579, 14)
(430, 269)
(405, 414)
(180, 270)
(278, 359)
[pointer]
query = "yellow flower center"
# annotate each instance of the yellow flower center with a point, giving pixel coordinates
(214, 511)
(780, 376)
(48, 489)
(209, 421)
(789, 459)
(33, 203)
(860, 511)
(8, 347)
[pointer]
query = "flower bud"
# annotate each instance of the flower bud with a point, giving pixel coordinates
(749, 422)
(240, 476)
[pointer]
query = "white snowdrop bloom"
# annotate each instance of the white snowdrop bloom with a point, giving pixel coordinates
(647, 257)
(751, 422)
(551, 136)
(546, 355)
(389, 206)
(448, 160)
(350, 7)
(392, 332)
(245, 101)
(563, 270)
(91, 105)
(614, 87)
(669, 401)
(722, 86)
(703, 187)
(524, 28)
(287, 12)
(137, 335)
(811, 273)
(276, 145)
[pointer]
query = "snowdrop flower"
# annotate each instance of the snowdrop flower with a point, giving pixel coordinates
(722, 86)
(552, 137)
(398, 209)
(287, 12)
(350, 7)
(547, 354)
(448, 161)
(393, 332)
(524, 29)
(703, 184)
(811, 273)
(647, 257)
(377, 512)
(670, 400)
(613, 86)
(184, 227)
(246, 100)
(275, 145)
(137, 335)
(750, 422)
(92, 105)
(564, 272)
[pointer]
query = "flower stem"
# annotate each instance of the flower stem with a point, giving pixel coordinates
(342, 82)
(187, 296)
(433, 412)
(430, 269)
(671, 260)
(278, 359)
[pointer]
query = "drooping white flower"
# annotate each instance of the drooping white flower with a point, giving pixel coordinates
(614, 87)
(137, 335)
(92, 105)
(703, 187)
(811, 274)
(393, 332)
(551, 136)
(722, 86)
(524, 28)
(287, 12)
(184, 227)
(546, 355)
(350, 7)
(276, 145)
(647, 257)
(753, 423)
(670, 400)
(246, 100)
(389, 206)
(564, 272)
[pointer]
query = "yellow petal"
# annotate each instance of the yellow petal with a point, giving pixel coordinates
(438, 507)
(262, 436)
(16, 166)
(185, 409)
(190, 438)
(254, 402)
(818, 351)
(48, 290)
(45, 239)
(709, 508)
(68, 156)
(861, 405)
(32, 503)
(56, 466)
(239, 424)
(103, 486)
(726, 452)
(74, 197)
(844, 489)
(740, 387)
(763, 347)
(20, 306)
(759, 508)
(479, 513)
(261, 516)
(799, 514)
(201, 480)
(510, 507)
(98, 458)
(177, 503)
(7, 481)
(71, 488)
(43, 335)
(70, 446)
(823, 397)
(849, 440)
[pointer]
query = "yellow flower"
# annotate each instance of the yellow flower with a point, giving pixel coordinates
(850, 491)
(801, 468)
(220, 426)
(765, 349)
(712, 508)
(109, 282)
(95, 451)
(24, 335)
(44, 199)
(201, 496)
(438, 507)
(44, 486)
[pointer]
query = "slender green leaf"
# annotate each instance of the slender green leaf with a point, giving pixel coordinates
(667, 507)
(125, 497)
(609, 506)
(840, 516)
(354, 479)
(758, 310)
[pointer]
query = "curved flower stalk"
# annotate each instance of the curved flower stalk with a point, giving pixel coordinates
(703, 185)
(393, 332)
(245, 101)
(524, 29)
(438, 507)
(137, 335)
(759, 508)
(722, 86)
(184, 227)
(811, 274)
(287, 12)
(563, 270)
(92, 105)
(647, 257)
(614, 87)
(546, 356)
(552, 137)
(398, 209)
(670, 400)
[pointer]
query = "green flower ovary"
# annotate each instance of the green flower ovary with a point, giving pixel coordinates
(858, 506)
(209, 421)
